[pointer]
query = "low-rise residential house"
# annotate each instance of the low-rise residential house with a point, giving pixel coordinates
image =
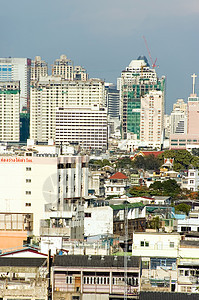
(95, 277)
(23, 278)
(190, 180)
(117, 184)
(96, 182)
(188, 265)
(190, 223)
(170, 262)
(97, 246)
(135, 178)
(159, 274)
(98, 220)
(134, 213)
(155, 244)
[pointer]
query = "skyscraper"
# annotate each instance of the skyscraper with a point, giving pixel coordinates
(152, 119)
(17, 69)
(190, 138)
(179, 117)
(136, 81)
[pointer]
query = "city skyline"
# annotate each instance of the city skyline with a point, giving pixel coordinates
(105, 38)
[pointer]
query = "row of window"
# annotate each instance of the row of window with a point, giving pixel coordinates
(146, 244)
(189, 273)
(105, 280)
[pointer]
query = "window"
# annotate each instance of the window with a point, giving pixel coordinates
(28, 192)
(171, 244)
(27, 204)
(28, 168)
(87, 215)
(28, 180)
(186, 273)
(28, 154)
(144, 244)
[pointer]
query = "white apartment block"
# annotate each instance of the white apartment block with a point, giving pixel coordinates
(191, 181)
(9, 111)
(42, 184)
(63, 67)
(80, 73)
(39, 68)
(167, 126)
(178, 122)
(152, 119)
(179, 117)
(50, 92)
(86, 126)
(17, 69)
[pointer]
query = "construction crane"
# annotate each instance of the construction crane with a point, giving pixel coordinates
(152, 63)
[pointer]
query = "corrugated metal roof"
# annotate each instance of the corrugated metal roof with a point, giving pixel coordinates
(130, 205)
(21, 262)
(95, 261)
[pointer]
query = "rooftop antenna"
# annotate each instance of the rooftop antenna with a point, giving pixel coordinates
(152, 63)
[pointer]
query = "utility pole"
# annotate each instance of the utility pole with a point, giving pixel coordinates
(49, 286)
(126, 252)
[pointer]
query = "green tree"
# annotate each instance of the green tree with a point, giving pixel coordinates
(183, 207)
(166, 188)
(149, 162)
(124, 162)
(183, 159)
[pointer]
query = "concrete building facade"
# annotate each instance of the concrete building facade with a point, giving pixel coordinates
(135, 82)
(152, 119)
(86, 126)
(17, 69)
(39, 68)
(50, 92)
(10, 111)
(39, 183)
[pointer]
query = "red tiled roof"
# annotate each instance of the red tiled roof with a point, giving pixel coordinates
(155, 153)
(118, 175)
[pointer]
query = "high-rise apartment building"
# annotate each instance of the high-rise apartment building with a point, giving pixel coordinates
(10, 111)
(112, 101)
(193, 115)
(64, 68)
(137, 80)
(80, 73)
(39, 68)
(50, 92)
(190, 137)
(152, 119)
(17, 69)
(86, 126)
(179, 117)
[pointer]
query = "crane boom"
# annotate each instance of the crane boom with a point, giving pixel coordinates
(152, 63)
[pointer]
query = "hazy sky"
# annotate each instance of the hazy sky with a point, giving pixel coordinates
(105, 35)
